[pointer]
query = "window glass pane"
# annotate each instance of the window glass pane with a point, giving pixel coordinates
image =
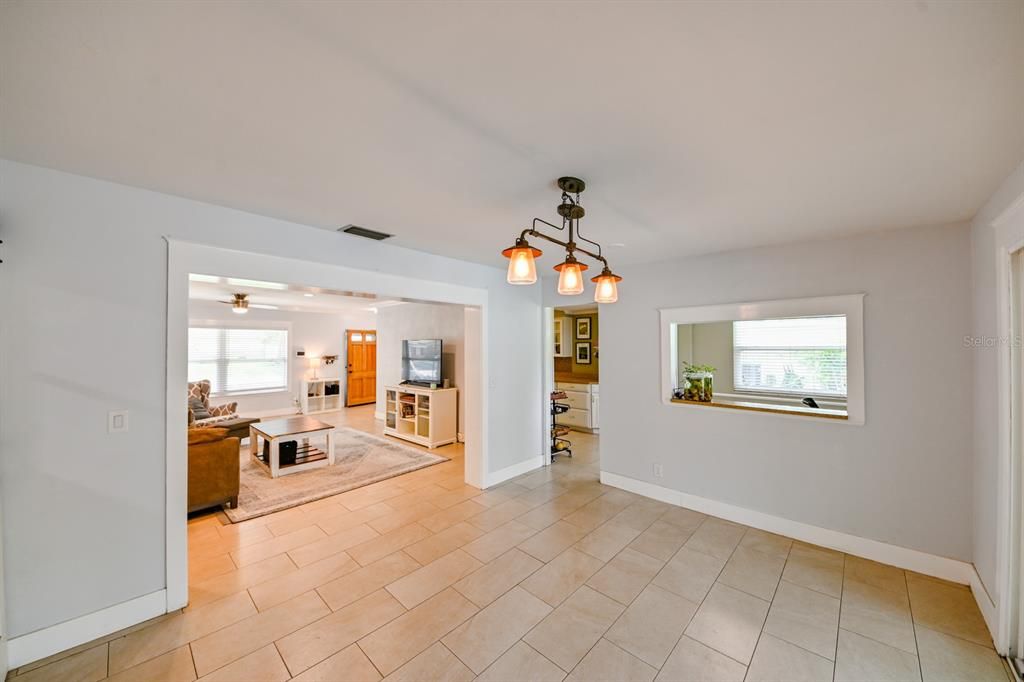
(255, 344)
(199, 370)
(371, 337)
(256, 375)
(203, 344)
(238, 360)
(356, 336)
(803, 356)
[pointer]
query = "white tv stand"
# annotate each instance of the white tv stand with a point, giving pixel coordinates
(421, 415)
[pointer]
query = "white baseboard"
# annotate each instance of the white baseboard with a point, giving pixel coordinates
(988, 608)
(952, 570)
(519, 469)
(379, 416)
(33, 646)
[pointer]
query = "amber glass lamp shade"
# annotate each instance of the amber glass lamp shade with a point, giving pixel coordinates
(570, 276)
(522, 268)
(607, 287)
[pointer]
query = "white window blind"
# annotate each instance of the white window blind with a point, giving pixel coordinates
(238, 360)
(800, 356)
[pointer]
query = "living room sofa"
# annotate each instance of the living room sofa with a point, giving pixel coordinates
(213, 468)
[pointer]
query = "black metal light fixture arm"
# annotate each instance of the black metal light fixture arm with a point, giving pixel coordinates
(572, 246)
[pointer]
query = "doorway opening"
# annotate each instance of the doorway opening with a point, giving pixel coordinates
(573, 383)
(295, 383)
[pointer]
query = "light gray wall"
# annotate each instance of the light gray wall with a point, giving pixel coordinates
(900, 478)
(317, 333)
(986, 241)
(708, 343)
(420, 321)
(83, 290)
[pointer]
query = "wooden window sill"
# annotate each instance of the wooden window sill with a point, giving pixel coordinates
(762, 407)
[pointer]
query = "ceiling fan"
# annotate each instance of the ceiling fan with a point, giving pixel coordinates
(240, 304)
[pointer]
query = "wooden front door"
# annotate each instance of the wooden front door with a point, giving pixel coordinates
(362, 366)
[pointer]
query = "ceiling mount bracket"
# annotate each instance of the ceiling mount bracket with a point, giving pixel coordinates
(571, 185)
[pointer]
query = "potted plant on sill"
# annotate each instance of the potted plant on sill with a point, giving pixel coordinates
(698, 383)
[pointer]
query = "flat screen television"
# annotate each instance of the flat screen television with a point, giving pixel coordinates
(421, 361)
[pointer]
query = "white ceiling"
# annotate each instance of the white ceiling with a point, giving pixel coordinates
(284, 296)
(699, 126)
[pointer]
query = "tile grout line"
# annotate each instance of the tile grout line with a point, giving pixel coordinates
(363, 652)
(189, 642)
(839, 618)
(457, 658)
(541, 653)
(913, 624)
(771, 602)
(258, 613)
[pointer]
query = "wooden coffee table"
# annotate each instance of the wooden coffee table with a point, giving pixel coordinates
(300, 429)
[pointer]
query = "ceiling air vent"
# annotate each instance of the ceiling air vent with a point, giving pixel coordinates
(363, 232)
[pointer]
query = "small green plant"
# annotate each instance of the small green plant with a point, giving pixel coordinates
(690, 368)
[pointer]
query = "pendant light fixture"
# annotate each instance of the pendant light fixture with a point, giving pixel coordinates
(522, 268)
(570, 276)
(607, 286)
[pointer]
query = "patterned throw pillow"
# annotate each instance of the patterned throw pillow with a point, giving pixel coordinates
(197, 410)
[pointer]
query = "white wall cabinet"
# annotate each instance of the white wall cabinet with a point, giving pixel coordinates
(421, 415)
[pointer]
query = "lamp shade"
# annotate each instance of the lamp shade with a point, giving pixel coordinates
(570, 276)
(522, 268)
(607, 287)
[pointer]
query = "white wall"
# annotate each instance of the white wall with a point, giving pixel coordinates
(317, 333)
(84, 290)
(421, 321)
(986, 242)
(900, 478)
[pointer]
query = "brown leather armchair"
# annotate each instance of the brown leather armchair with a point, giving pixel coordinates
(213, 466)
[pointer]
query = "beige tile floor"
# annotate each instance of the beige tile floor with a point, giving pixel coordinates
(551, 576)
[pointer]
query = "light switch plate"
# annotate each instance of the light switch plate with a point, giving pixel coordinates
(117, 421)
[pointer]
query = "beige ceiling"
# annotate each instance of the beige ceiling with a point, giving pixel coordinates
(699, 127)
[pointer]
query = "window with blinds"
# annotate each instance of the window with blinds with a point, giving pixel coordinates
(803, 356)
(238, 360)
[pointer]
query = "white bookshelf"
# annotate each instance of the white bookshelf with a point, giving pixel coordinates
(321, 395)
(421, 415)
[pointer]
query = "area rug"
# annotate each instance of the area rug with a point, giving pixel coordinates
(359, 459)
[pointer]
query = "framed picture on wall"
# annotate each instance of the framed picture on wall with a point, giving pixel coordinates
(583, 353)
(583, 325)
